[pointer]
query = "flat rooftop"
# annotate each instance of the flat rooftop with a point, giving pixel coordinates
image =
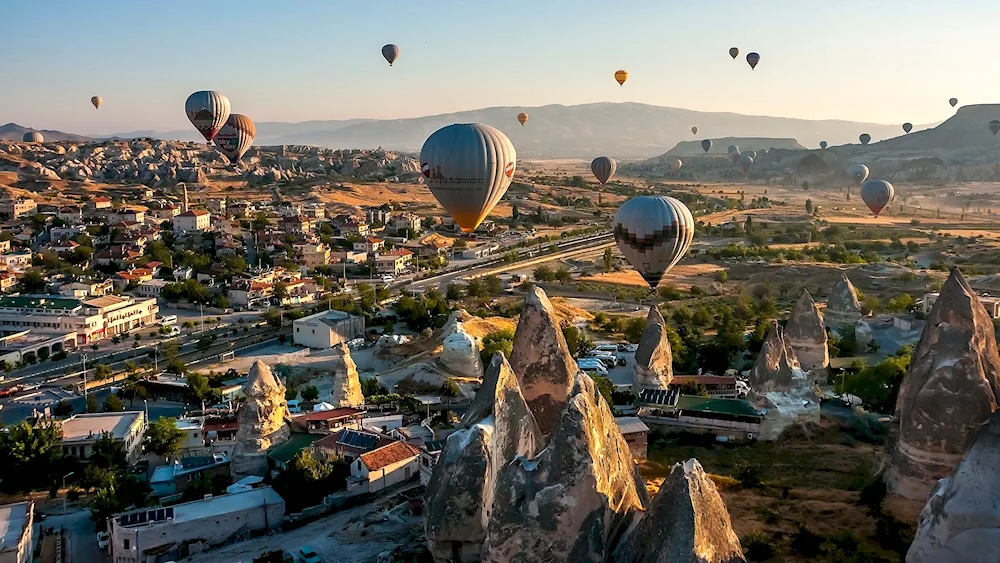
(189, 423)
(225, 504)
(105, 301)
(48, 302)
(92, 425)
(13, 520)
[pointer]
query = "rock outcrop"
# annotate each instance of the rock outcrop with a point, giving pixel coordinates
(262, 420)
(962, 515)
(949, 393)
(779, 388)
(843, 307)
(653, 367)
(777, 366)
(687, 522)
(807, 335)
(346, 390)
(460, 350)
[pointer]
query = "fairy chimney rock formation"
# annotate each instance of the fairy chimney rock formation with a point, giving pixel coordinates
(460, 350)
(807, 335)
(949, 393)
(262, 422)
(780, 390)
(346, 390)
(653, 367)
(776, 367)
(843, 307)
(687, 522)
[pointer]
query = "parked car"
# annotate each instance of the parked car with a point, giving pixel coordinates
(610, 360)
(592, 366)
(627, 347)
(102, 540)
(295, 406)
(308, 555)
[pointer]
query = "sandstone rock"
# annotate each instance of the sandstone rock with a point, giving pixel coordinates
(262, 422)
(687, 522)
(843, 306)
(863, 336)
(460, 353)
(346, 390)
(542, 361)
(950, 391)
(962, 515)
(779, 387)
(776, 367)
(653, 367)
(806, 334)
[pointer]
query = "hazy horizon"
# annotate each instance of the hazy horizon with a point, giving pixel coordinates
(316, 60)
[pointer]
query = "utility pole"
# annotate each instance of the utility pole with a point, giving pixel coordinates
(84, 357)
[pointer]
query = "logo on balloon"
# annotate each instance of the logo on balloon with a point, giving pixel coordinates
(509, 169)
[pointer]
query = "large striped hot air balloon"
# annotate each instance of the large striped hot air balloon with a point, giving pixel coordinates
(236, 137)
(468, 167)
(97, 101)
(391, 53)
(653, 233)
(603, 168)
(33, 137)
(208, 111)
(621, 76)
(877, 194)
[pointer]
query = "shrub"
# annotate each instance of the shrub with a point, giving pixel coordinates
(805, 543)
(722, 276)
(757, 546)
(749, 476)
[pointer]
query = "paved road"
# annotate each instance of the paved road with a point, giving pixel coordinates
(82, 537)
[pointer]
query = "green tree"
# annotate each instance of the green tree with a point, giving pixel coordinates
(809, 206)
(493, 284)
(544, 274)
(578, 341)
(92, 403)
(722, 276)
(371, 387)
(608, 260)
(281, 291)
(453, 292)
(101, 372)
(113, 404)
(634, 329)
(606, 388)
(500, 341)
(163, 438)
(563, 275)
(198, 384)
(63, 408)
(33, 282)
(310, 393)
(28, 455)
(878, 386)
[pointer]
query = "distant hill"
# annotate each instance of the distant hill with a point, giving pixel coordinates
(15, 132)
(720, 146)
(624, 130)
(965, 132)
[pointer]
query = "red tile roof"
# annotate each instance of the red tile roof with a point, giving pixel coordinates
(388, 455)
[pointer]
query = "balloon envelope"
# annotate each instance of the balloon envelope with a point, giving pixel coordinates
(468, 167)
(653, 233)
(33, 137)
(522, 117)
(746, 161)
(734, 52)
(994, 126)
(97, 101)
(603, 168)
(953, 102)
(823, 144)
(735, 156)
(236, 136)
(865, 138)
(621, 76)
(706, 145)
(391, 53)
(676, 164)
(732, 148)
(208, 111)
(907, 127)
(753, 59)
(877, 194)
(858, 172)
(753, 154)
(694, 130)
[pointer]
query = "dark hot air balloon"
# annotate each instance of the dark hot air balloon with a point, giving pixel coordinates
(653, 233)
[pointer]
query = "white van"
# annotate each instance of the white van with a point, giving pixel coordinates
(607, 348)
(168, 320)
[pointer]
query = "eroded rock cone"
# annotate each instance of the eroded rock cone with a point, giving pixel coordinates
(346, 390)
(776, 366)
(542, 361)
(653, 367)
(843, 307)
(779, 388)
(961, 521)
(949, 393)
(806, 334)
(496, 428)
(262, 420)
(460, 350)
(687, 522)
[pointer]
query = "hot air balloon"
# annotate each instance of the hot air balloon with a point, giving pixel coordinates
(907, 127)
(865, 138)
(706, 145)
(753, 154)
(208, 111)
(236, 136)
(523, 118)
(603, 168)
(746, 161)
(994, 127)
(735, 156)
(391, 53)
(676, 164)
(468, 167)
(653, 233)
(621, 76)
(753, 59)
(953, 102)
(694, 130)
(96, 100)
(33, 137)
(858, 172)
(732, 149)
(876, 194)
(823, 144)
(734, 52)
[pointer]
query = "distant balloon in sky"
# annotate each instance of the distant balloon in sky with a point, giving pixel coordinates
(621, 76)
(468, 167)
(953, 102)
(603, 168)
(732, 149)
(823, 144)
(236, 137)
(694, 130)
(706, 145)
(676, 164)
(208, 111)
(753, 154)
(97, 101)
(865, 138)
(858, 173)
(523, 118)
(391, 53)
(33, 137)
(734, 52)
(994, 127)
(907, 127)
(753, 59)
(877, 194)
(735, 156)
(746, 161)
(653, 233)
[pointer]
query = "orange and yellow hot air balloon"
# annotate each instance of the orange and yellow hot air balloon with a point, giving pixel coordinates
(621, 76)
(523, 118)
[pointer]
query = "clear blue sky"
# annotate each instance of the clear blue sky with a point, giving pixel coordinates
(886, 61)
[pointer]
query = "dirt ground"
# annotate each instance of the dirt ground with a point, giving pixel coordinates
(681, 275)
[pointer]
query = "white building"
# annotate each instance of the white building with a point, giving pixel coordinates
(394, 262)
(16, 540)
(92, 320)
(15, 260)
(151, 288)
(193, 221)
(327, 329)
(992, 304)
(19, 207)
(81, 431)
(383, 467)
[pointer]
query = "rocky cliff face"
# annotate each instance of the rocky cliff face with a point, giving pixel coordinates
(776, 366)
(687, 522)
(346, 390)
(460, 353)
(779, 387)
(843, 306)
(653, 367)
(807, 335)
(262, 422)
(950, 391)
(962, 515)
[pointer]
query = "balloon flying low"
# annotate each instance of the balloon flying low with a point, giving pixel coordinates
(735, 156)
(994, 127)
(694, 130)
(653, 233)
(97, 101)
(706, 145)
(865, 138)
(468, 167)
(603, 168)
(676, 164)
(621, 76)
(732, 149)
(858, 173)
(823, 144)
(746, 161)
(391, 53)
(208, 111)
(753, 59)
(907, 127)
(753, 154)
(235, 138)
(33, 137)
(734, 52)
(523, 118)
(877, 194)
(953, 102)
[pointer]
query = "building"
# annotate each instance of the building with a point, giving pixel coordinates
(150, 535)
(91, 320)
(327, 329)
(100, 202)
(81, 431)
(354, 228)
(349, 256)
(731, 419)
(86, 288)
(635, 433)
(717, 386)
(429, 453)
(8, 280)
(15, 260)
(383, 467)
(370, 244)
(16, 539)
(296, 224)
(394, 262)
(249, 293)
(405, 222)
(481, 251)
(70, 214)
(378, 215)
(176, 477)
(193, 221)
(18, 207)
(312, 254)
(32, 347)
(151, 288)
(327, 422)
(281, 455)
(992, 304)
(350, 443)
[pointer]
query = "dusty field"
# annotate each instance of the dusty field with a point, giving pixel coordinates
(682, 274)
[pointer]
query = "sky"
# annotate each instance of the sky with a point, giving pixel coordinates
(883, 61)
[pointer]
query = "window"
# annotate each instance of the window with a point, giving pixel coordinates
(125, 543)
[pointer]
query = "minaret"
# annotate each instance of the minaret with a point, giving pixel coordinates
(185, 210)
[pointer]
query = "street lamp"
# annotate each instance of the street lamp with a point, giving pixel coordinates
(62, 524)
(84, 357)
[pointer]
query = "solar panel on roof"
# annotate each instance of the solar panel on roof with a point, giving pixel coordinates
(666, 397)
(355, 439)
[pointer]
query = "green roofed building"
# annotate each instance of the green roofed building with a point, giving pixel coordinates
(727, 419)
(282, 454)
